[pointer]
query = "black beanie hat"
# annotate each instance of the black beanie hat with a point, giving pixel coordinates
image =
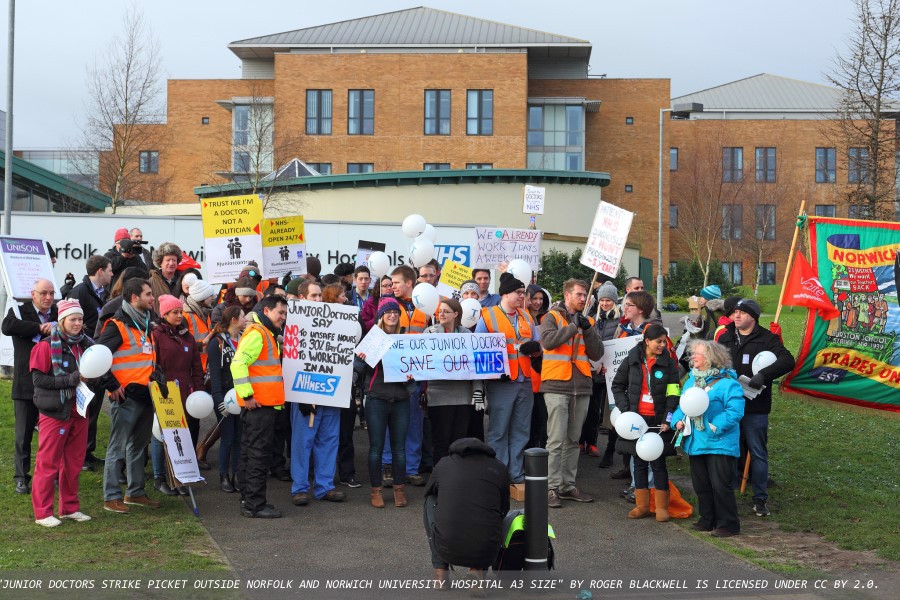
(751, 307)
(728, 305)
(509, 284)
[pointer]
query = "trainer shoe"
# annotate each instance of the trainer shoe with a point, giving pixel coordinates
(553, 500)
(416, 480)
(351, 482)
(50, 521)
(116, 506)
(141, 501)
(78, 516)
(594, 451)
(576, 495)
(761, 508)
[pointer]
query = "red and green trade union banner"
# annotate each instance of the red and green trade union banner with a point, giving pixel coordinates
(854, 358)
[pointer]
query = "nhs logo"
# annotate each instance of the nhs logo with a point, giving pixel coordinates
(458, 254)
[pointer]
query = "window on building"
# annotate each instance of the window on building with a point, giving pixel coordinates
(436, 166)
(765, 222)
(555, 137)
(149, 161)
(629, 188)
(437, 112)
(360, 167)
(825, 210)
(322, 168)
(673, 159)
(858, 165)
(732, 165)
(673, 267)
(204, 120)
(480, 112)
(673, 216)
(765, 165)
(361, 112)
(318, 112)
(767, 273)
(826, 165)
(629, 120)
(252, 139)
(732, 221)
(734, 271)
(478, 166)
(859, 211)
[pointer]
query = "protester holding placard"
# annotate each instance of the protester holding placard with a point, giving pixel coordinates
(220, 352)
(387, 406)
(510, 398)
(62, 433)
(647, 383)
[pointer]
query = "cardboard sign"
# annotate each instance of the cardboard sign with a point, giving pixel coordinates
(606, 243)
(446, 356)
(614, 353)
(375, 345)
(175, 433)
(495, 245)
(231, 235)
(533, 200)
(283, 246)
(319, 343)
(25, 260)
(453, 275)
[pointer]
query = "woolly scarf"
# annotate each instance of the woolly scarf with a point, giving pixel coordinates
(141, 319)
(57, 337)
(197, 308)
(703, 379)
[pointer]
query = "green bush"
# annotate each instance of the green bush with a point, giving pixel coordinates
(557, 267)
(687, 279)
(681, 301)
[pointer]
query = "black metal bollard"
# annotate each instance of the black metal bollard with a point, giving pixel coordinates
(536, 509)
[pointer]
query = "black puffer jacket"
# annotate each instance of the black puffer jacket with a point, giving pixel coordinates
(744, 349)
(47, 386)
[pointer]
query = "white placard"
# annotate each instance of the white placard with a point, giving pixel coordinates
(446, 356)
(83, 397)
(25, 260)
(533, 200)
(606, 243)
(318, 351)
(495, 245)
(614, 353)
(375, 345)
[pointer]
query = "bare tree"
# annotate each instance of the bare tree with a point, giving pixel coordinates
(869, 77)
(125, 114)
(770, 207)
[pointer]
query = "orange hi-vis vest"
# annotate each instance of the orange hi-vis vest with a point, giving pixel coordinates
(497, 321)
(199, 328)
(265, 372)
(415, 324)
(130, 363)
(558, 361)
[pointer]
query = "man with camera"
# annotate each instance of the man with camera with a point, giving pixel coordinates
(124, 253)
(137, 237)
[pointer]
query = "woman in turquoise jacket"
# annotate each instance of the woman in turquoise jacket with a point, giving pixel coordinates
(712, 440)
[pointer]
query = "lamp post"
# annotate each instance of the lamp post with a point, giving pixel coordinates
(678, 109)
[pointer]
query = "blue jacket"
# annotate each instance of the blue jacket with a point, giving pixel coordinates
(726, 408)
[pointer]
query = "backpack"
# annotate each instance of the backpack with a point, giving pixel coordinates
(512, 552)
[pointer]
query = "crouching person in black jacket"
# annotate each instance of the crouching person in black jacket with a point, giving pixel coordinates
(466, 499)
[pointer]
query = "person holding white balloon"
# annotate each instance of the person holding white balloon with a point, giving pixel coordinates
(712, 435)
(647, 383)
(62, 432)
(178, 357)
(220, 351)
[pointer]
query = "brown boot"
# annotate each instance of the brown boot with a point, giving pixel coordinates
(642, 500)
(661, 498)
(399, 495)
(377, 499)
(211, 438)
(442, 575)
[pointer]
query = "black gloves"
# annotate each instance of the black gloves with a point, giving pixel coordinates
(160, 378)
(581, 321)
(505, 377)
(758, 381)
(286, 279)
(73, 379)
(307, 409)
(529, 348)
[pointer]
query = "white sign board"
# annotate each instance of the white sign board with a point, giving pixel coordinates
(533, 200)
(446, 356)
(614, 353)
(25, 260)
(495, 245)
(319, 340)
(606, 242)
(374, 346)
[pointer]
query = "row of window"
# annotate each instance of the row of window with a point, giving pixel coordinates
(325, 168)
(826, 164)
(733, 221)
(361, 112)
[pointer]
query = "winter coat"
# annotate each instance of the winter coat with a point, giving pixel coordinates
(120, 263)
(375, 385)
(23, 333)
(90, 302)
(220, 355)
(449, 392)
(744, 349)
(472, 490)
(112, 339)
(178, 357)
(47, 386)
(721, 432)
(607, 323)
(160, 286)
(553, 336)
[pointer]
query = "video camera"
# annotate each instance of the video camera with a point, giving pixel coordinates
(131, 246)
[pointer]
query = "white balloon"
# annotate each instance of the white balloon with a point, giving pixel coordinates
(630, 425)
(521, 270)
(199, 404)
(430, 233)
(421, 251)
(157, 432)
(358, 328)
(95, 361)
(426, 298)
(471, 311)
(763, 360)
(378, 264)
(413, 226)
(614, 415)
(650, 446)
(231, 404)
(694, 401)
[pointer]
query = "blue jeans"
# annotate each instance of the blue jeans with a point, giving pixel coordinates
(414, 434)
(319, 442)
(754, 438)
(229, 444)
(382, 416)
(130, 425)
(509, 424)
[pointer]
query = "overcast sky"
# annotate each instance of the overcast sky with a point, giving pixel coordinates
(696, 43)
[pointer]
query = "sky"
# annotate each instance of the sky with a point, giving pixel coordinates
(697, 44)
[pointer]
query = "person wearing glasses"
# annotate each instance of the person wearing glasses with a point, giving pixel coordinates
(370, 308)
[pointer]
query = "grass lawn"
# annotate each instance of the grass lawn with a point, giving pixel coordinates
(835, 466)
(167, 539)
